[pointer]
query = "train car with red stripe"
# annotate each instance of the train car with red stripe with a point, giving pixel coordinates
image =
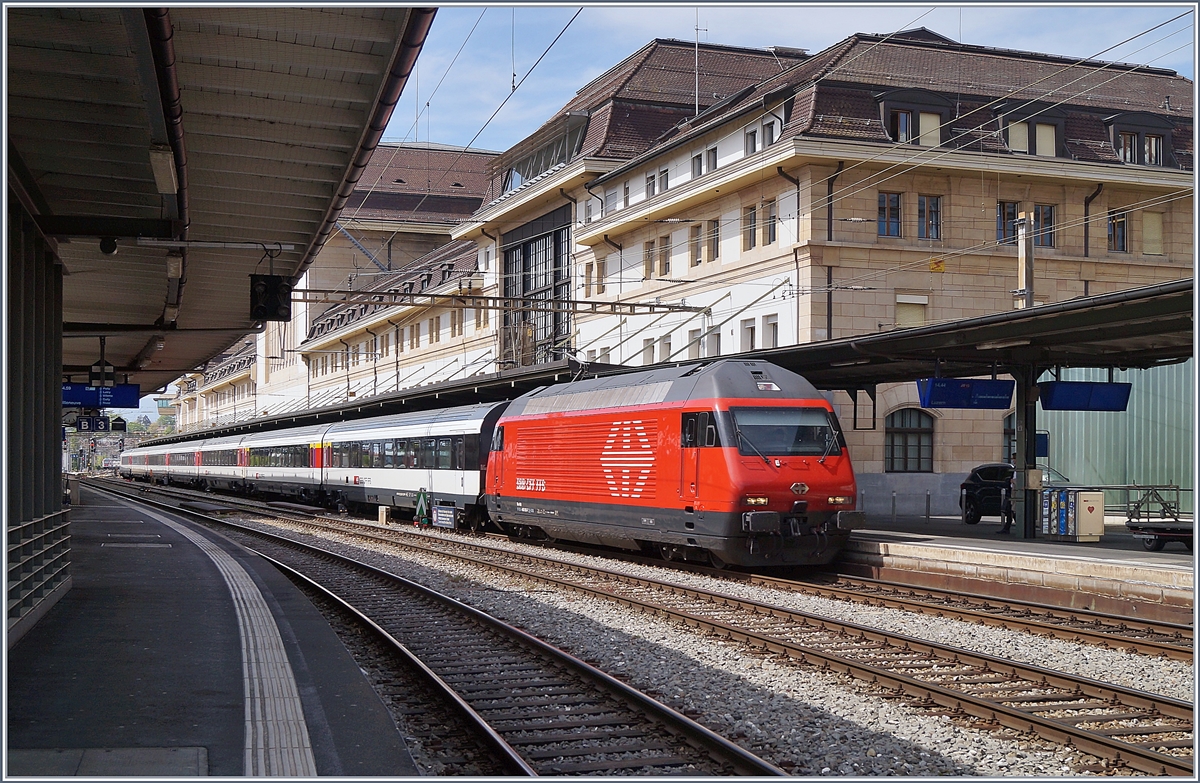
(732, 462)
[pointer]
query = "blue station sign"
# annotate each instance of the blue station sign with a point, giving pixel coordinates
(1083, 396)
(123, 395)
(965, 393)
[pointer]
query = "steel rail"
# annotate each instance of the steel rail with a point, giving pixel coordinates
(1116, 631)
(958, 701)
(510, 758)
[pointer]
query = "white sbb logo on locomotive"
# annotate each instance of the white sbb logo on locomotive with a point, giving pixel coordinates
(627, 459)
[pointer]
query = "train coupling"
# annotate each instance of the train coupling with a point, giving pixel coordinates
(760, 522)
(850, 520)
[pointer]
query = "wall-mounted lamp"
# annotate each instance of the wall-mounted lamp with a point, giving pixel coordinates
(162, 163)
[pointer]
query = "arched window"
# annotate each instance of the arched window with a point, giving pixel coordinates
(908, 442)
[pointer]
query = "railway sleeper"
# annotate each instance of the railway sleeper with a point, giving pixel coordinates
(628, 747)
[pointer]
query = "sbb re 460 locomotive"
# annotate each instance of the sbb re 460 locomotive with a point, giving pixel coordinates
(729, 462)
(737, 462)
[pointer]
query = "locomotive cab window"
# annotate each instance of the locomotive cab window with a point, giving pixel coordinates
(785, 432)
(699, 429)
(498, 439)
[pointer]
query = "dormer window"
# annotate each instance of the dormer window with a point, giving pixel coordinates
(915, 116)
(1141, 139)
(650, 185)
(768, 134)
(751, 141)
(900, 125)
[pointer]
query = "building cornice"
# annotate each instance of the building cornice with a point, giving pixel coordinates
(535, 194)
(803, 151)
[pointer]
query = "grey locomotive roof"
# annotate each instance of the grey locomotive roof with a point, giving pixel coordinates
(723, 378)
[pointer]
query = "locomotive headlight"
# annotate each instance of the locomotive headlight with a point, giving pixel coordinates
(755, 501)
(840, 500)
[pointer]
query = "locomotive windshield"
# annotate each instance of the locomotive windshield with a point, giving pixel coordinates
(784, 432)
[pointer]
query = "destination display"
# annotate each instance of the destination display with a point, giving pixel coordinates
(965, 393)
(123, 395)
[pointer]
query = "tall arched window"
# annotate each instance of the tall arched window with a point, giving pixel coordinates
(908, 442)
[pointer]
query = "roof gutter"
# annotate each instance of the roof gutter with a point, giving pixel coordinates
(162, 47)
(405, 58)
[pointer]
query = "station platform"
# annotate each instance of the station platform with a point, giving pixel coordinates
(177, 653)
(1115, 574)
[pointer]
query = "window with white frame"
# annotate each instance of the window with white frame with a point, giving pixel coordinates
(601, 274)
(694, 344)
(1152, 233)
(697, 165)
(929, 217)
(587, 279)
(650, 180)
(749, 228)
(664, 256)
(648, 259)
(647, 350)
(751, 141)
(910, 310)
(748, 334)
(664, 348)
(714, 240)
(695, 244)
(625, 194)
(663, 180)
(713, 346)
(768, 130)
(931, 129)
(1043, 225)
(770, 221)
(710, 156)
(770, 331)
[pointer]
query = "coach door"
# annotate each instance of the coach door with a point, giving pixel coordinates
(689, 456)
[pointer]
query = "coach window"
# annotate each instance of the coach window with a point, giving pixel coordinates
(445, 453)
(460, 455)
(429, 453)
(908, 442)
(471, 453)
(389, 453)
(355, 455)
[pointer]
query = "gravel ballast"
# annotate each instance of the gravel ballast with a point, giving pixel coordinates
(808, 721)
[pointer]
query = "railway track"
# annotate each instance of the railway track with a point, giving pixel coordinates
(1143, 731)
(1171, 640)
(539, 710)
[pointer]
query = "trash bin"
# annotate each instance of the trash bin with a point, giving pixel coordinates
(73, 490)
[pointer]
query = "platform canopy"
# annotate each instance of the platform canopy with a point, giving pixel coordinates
(202, 144)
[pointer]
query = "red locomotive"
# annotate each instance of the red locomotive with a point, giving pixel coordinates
(733, 462)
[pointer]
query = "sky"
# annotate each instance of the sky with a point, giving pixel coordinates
(456, 97)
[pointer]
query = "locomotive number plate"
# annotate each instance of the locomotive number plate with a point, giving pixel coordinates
(531, 484)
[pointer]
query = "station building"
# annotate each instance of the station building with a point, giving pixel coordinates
(871, 186)
(793, 198)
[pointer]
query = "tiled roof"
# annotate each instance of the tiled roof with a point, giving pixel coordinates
(426, 168)
(449, 262)
(636, 101)
(982, 71)
(836, 91)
